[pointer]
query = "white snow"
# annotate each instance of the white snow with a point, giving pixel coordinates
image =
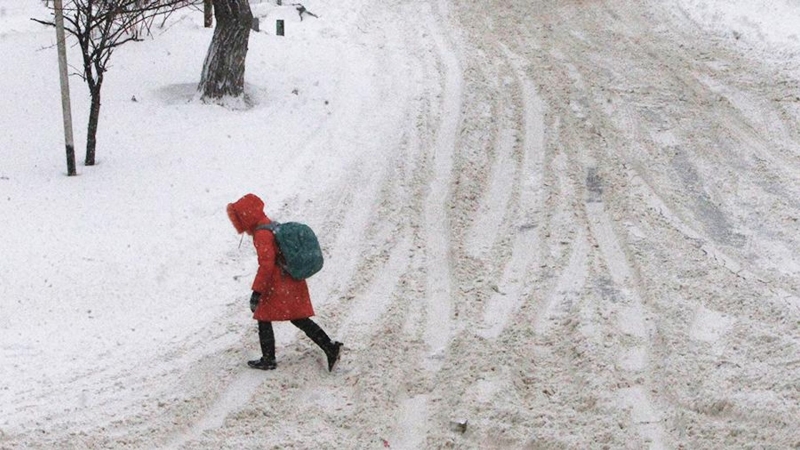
(563, 224)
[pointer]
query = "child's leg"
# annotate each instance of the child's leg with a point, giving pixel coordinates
(313, 331)
(266, 338)
(318, 335)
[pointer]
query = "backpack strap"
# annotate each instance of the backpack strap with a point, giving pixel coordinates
(272, 226)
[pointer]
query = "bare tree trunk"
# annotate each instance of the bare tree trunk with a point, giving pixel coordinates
(91, 133)
(223, 70)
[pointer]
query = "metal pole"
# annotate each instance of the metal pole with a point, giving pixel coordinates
(65, 104)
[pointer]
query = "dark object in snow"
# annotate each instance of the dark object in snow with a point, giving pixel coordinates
(302, 10)
(263, 364)
(333, 353)
(279, 27)
(459, 426)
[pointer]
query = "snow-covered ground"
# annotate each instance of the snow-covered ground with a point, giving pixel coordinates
(546, 224)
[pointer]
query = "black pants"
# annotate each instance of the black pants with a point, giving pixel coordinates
(266, 336)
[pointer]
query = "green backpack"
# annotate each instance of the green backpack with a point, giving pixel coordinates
(300, 254)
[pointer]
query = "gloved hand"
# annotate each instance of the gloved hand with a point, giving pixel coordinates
(254, 298)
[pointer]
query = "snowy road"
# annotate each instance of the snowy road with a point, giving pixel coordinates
(578, 228)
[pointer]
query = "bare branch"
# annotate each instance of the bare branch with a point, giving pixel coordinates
(49, 24)
(99, 27)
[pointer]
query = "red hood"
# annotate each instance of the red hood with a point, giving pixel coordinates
(246, 213)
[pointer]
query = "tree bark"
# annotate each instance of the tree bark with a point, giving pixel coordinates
(208, 13)
(223, 70)
(91, 133)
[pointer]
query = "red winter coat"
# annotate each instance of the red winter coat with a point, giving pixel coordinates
(282, 297)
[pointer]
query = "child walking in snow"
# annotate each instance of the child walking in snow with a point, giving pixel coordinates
(276, 295)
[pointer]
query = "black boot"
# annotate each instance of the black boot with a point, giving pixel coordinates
(266, 338)
(312, 330)
(333, 352)
(263, 364)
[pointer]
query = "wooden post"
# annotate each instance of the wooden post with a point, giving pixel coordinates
(279, 27)
(63, 77)
(208, 13)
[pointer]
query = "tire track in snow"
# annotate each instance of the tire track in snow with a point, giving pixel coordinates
(780, 297)
(403, 289)
(572, 280)
(439, 302)
(634, 359)
(569, 287)
(525, 251)
(354, 222)
(712, 251)
(236, 395)
(369, 306)
(413, 412)
(412, 425)
(493, 207)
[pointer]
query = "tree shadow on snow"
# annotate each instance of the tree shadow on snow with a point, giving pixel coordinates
(183, 93)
